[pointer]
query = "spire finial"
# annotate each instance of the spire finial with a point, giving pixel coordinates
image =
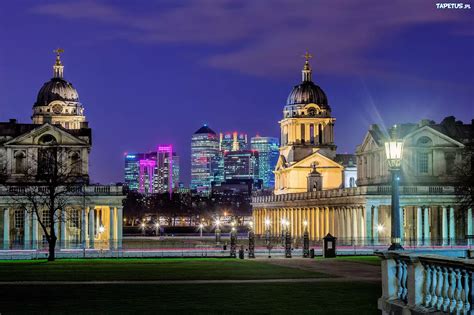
(58, 68)
(306, 73)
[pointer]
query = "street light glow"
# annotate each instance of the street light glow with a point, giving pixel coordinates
(267, 222)
(380, 228)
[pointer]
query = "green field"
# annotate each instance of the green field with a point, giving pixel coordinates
(297, 298)
(147, 269)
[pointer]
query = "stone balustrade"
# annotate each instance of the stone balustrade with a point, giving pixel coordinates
(354, 191)
(418, 283)
(73, 190)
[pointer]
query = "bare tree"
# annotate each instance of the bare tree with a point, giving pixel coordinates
(464, 186)
(50, 184)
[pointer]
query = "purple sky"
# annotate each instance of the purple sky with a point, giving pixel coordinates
(151, 72)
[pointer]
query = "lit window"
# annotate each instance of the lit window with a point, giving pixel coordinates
(19, 219)
(422, 162)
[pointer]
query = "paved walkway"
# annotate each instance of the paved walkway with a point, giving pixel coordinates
(352, 271)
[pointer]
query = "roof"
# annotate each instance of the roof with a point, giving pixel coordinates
(205, 129)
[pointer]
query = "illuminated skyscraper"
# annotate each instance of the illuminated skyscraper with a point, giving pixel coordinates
(132, 170)
(204, 159)
(233, 141)
(241, 165)
(267, 147)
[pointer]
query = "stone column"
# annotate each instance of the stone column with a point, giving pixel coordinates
(355, 232)
(375, 227)
(83, 227)
(326, 216)
(452, 227)
(34, 230)
(112, 238)
(27, 230)
(469, 225)
(119, 227)
(316, 223)
(6, 228)
(402, 226)
(444, 230)
(349, 225)
(331, 221)
(62, 221)
(419, 226)
(426, 226)
(91, 226)
(368, 223)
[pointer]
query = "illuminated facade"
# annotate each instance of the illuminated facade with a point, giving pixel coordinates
(92, 215)
(205, 160)
(132, 170)
(267, 148)
(307, 139)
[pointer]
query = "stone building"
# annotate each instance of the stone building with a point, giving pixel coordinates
(309, 179)
(94, 213)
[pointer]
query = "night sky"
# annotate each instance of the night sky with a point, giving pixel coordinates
(152, 72)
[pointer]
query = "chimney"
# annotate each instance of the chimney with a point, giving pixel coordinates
(12, 121)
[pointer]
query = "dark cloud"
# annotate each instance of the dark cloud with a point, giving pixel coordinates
(268, 34)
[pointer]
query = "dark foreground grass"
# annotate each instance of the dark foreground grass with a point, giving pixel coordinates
(147, 269)
(295, 298)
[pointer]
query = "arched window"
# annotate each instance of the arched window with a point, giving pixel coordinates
(352, 182)
(320, 134)
(311, 133)
(20, 162)
(303, 131)
(424, 141)
(75, 163)
(47, 139)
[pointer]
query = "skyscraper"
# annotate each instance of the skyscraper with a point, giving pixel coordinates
(152, 172)
(241, 165)
(267, 148)
(204, 159)
(233, 141)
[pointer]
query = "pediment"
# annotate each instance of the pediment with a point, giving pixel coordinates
(368, 144)
(439, 139)
(281, 163)
(34, 136)
(320, 160)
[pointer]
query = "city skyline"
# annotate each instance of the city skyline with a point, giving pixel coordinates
(135, 90)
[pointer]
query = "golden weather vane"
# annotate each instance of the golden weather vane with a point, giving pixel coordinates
(58, 51)
(307, 56)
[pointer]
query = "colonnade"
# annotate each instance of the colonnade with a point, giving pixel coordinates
(342, 222)
(83, 226)
(361, 224)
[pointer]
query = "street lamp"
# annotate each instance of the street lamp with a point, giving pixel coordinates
(143, 228)
(287, 240)
(217, 223)
(157, 226)
(305, 240)
(267, 230)
(394, 151)
(201, 226)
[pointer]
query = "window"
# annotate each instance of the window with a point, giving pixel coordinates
(311, 133)
(303, 131)
(20, 162)
(76, 165)
(19, 219)
(352, 182)
(450, 160)
(73, 220)
(46, 219)
(422, 162)
(424, 141)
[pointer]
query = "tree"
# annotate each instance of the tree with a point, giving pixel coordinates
(47, 186)
(464, 186)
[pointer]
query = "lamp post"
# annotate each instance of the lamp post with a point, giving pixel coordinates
(251, 241)
(283, 231)
(233, 241)
(157, 228)
(394, 151)
(201, 226)
(287, 240)
(305, 240)
(267, 231)
(143, 226)
(218, 231)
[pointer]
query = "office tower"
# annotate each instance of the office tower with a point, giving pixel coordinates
(204, 159)
(241, 165)
(267, 148)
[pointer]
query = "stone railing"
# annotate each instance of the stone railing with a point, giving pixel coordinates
(355, 191)
(73, 190)
(418, 283)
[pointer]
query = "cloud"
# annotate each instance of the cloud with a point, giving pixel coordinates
(265, 36)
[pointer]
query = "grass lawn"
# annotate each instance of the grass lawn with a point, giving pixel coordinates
(370, 260)
(147, 269)
(297, 298)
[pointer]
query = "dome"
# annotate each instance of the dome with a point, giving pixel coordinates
(57, 89)
(205, 129)
(307, 92)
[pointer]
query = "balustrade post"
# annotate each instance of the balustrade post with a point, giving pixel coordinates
(416, 278)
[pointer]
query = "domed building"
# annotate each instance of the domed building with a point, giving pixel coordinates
(307, 139)
(59, 138)
(58, 101)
